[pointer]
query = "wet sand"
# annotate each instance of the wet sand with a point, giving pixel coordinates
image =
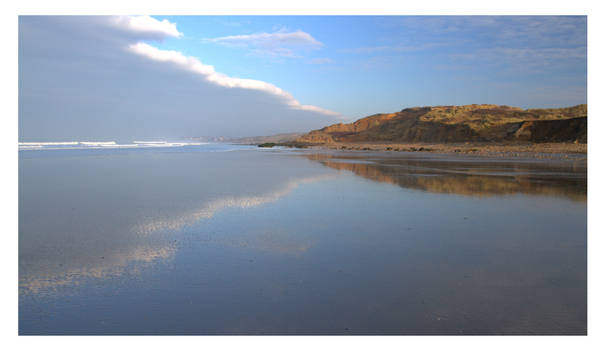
(534, 150)
(300, 241)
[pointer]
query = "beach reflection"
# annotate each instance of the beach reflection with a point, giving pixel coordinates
(175, 222)
(54, 274)
(291, 242)
(468, 177)
(93, 226)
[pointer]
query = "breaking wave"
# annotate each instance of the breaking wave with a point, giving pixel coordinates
(103, 145)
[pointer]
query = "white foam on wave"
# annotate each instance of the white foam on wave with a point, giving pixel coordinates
(158, 144)
(195, 143)
(70, 143)
(168, 144)
(102, 145)
(90, 143)
(150, 142)
(129, 145)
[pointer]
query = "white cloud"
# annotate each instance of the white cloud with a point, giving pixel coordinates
(208, 72)
(147, 25)
(270, 39)
(273, 41)
(101, 78)
(277, 44)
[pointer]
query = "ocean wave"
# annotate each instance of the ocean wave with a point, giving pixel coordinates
(104, 145)
(151, 142)
(90, 143)
(69, 143)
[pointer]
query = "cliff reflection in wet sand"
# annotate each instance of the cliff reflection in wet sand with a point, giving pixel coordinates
(284, 241)
(468, 177)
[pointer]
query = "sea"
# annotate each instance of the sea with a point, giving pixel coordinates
(195, 238)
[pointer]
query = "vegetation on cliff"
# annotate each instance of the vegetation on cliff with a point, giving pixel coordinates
(470, 123)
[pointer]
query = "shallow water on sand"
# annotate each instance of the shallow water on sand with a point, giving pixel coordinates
(256, 241)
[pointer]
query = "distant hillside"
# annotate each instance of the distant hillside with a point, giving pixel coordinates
(470, 123)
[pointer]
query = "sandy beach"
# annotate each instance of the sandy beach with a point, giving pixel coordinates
(530, 150)
(230, 239)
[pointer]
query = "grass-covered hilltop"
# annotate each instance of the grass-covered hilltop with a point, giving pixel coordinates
(454, 124)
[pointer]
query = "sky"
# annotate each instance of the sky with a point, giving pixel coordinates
(128, 77)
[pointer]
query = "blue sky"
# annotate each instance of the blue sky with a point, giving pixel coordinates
(249, 75)
(370, 64)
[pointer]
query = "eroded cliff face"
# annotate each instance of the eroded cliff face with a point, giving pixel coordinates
(574, 129)
(460, 124)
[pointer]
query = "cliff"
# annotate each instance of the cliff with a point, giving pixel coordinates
(470, 123)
